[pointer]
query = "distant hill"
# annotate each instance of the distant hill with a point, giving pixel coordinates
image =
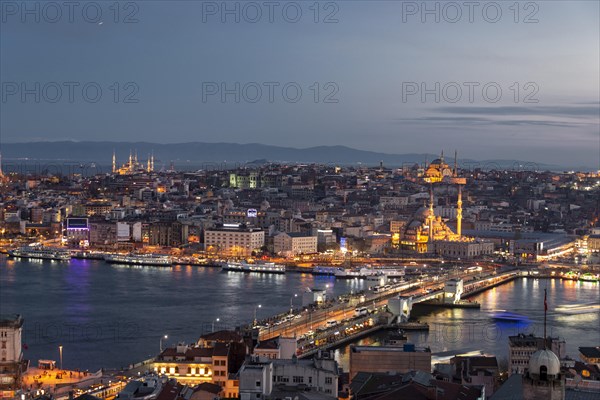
(196, 153)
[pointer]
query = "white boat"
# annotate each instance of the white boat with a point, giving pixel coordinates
(349, 273)
(589, 277)
(262, 267)
(139, 259)
(38, 251)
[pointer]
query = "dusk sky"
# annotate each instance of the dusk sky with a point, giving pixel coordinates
(179, 53)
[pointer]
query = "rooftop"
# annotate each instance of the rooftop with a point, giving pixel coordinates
(590, 352)
(11, 320)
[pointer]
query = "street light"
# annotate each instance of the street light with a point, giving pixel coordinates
(256, 309)
(161, 339)
(60, 356)
(292, 302)
(213, 324)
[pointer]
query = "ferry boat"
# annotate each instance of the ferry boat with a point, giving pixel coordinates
(320, 270)
(572, 275)
(351, 273)
(262, 267)
(589, 277)
(88, 255)
(139, 259)
(40, 252)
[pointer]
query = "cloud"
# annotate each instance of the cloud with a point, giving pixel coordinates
(565, 111)
(490, 121)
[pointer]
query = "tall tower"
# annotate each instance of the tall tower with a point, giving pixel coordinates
(460, 182)
(114, 162)
(431, 216)
(459, 212)
(1, 171)
(148, 165)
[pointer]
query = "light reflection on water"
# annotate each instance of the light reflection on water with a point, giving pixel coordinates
(464, 330)
(112, 315)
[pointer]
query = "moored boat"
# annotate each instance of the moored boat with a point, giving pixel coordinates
(139, 259)
(321, 270)
(262, 267)
(589, 277)
(572, 275)
(38, 251)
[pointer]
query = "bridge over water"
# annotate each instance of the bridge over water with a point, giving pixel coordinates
(326, 328)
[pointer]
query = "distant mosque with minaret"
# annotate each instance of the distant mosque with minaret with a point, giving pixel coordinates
(132, 166)
(428, 233)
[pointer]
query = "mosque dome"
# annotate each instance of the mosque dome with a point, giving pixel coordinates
(421, 214)
(544, 363)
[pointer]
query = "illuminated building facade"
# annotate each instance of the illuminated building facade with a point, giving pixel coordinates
(78, 231)
(294, 243)
(11, 353)
(194, 365)
(233, 238)
(426, 228)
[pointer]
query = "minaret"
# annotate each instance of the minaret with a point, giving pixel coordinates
(152, 163)
(114, 162)
(459, 212)
(431, 212)
(455, 164)
(148, 166)
(1, 172)
(460, 182)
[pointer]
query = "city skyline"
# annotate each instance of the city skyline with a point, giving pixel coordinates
(307, 199)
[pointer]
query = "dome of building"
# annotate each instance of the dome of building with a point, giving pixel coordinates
(544, 362)
(421, 214)
(437, 161)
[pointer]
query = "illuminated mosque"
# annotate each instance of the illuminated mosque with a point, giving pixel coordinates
(426, 232)
(132, 166)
